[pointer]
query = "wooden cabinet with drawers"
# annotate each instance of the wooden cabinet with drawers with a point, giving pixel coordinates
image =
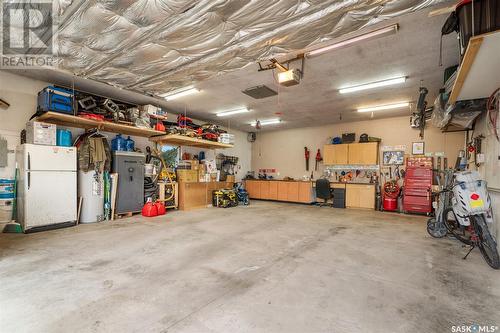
(264, 189)
(282, 191)
(352, 153)
(335, 154)
(290, 191)
(363, 153)
(273, 191)
(360, 196)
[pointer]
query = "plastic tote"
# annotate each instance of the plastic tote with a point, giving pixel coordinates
(7, 188)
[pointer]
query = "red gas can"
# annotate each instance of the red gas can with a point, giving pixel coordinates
(161, 208)
(390, 204)
(149, 209)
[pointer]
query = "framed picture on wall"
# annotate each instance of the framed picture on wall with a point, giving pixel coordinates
(393, 157)
(417, 148)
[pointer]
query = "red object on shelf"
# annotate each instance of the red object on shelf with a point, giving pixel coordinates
(417, 187)
(91, 116)
(160, 127)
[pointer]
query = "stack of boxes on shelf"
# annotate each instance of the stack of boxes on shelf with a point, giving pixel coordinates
(191, 171)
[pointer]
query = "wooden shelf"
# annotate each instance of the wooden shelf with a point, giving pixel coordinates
(478, 76)
(181, 140)
(106, 126)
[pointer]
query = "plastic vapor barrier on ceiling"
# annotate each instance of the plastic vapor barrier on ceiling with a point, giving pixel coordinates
(155, 46)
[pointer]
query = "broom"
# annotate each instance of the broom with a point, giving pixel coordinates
(12, 226)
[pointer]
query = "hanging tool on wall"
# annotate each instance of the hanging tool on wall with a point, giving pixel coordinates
(474, 149)
(318, 159)
(306, 155)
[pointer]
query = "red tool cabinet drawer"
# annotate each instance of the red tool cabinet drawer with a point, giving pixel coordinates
(419, 173)
(417, 204)
(418, 191)
(417, 200)
(413, 182)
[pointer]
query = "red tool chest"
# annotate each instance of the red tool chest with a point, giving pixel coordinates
(418, 185)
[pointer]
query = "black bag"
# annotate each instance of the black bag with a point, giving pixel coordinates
(348, 137)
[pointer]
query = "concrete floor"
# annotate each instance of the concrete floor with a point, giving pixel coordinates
(268, 267)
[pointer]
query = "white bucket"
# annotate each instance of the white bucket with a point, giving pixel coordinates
(6, 206)
(149, 169)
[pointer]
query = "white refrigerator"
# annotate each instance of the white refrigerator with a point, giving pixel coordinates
(46, 190)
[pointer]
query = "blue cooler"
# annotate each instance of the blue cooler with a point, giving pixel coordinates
(55, 99)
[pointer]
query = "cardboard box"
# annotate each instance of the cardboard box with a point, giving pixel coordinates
(39, 133)
(226, 138)
(150, 109)
(187, 176)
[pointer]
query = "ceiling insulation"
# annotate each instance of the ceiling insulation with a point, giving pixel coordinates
(155, 46)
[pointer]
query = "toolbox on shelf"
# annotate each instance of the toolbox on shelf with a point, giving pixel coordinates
(55, 99)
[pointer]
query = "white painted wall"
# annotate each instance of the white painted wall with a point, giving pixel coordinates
(491, 149)
(21, 93)
(284, 150)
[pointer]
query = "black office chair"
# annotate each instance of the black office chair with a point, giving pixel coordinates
(323, 191)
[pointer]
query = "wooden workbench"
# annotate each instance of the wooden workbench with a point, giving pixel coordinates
(280, 190)
(198, 194)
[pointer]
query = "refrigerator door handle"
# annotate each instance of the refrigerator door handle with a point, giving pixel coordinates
(28, 176)
(29, 162)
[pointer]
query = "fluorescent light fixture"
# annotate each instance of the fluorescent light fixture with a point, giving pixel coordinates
(180, 93)
(267, 122)
(391, 29)
(385, 107)
(373, 85)
(231, 112)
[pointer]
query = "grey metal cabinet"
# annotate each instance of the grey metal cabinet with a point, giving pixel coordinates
(130, 191)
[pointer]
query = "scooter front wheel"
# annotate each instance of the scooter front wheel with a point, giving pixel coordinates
(486, 244)
(435, 229)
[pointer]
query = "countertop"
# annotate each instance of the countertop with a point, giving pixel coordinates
(355, 183)
(282, 180)
(309, 181)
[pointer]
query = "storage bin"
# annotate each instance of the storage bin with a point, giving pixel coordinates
(39, 133)
(486, 18)
(7, 188)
